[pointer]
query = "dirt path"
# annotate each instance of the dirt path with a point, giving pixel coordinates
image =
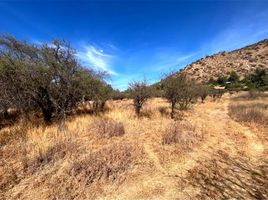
(232, 138)
(154, 158)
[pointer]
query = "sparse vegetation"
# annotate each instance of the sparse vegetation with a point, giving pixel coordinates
(115, 155)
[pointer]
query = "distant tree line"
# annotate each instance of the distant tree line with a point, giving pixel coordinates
(46, 78)
(182, 92)
(178, 89)
(255, 81)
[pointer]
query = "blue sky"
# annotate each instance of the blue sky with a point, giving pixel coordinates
(133, 40)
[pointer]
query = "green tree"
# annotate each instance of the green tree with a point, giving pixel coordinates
(259, 79)
(233, 77)
(221, 80)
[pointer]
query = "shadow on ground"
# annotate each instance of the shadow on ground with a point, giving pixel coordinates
(226, 177)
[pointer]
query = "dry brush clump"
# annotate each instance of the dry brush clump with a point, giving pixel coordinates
(107, 128)
(108, 164)
(250, 113)
(181, 133)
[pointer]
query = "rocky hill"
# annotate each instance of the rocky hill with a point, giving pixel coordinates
(243, 61)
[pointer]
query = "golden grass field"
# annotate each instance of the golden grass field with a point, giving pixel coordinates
(208, 153)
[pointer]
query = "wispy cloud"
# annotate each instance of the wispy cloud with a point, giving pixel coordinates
(174, 61)
(91, 56)
(241, 32)
(185, 57)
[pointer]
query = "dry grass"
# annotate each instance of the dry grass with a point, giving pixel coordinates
(107, 128)
(251, 112)
(116, 155)
(13, 133)
(108, 164)
(250, 95)
(52, 154)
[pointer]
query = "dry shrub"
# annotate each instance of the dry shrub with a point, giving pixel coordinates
(107, 128)
(163, 111)
(52, 154)
(182, 133)
(255, 112)
(107, 164)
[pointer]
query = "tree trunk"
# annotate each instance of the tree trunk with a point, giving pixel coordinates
(138, 110)
(95, 107)
(172, 114)
(61, 120)
(5, 114)
(47, 114)
(102, 105)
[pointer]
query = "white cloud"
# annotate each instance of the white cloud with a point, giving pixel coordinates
(185, 57)
(93, 57)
